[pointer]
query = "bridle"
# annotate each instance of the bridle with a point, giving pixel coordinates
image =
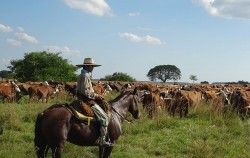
(129, 121)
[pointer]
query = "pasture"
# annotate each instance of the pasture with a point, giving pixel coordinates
(202, 134)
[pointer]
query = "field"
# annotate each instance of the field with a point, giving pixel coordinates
(202, 134)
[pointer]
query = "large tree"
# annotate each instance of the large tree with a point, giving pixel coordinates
(164, 73)
(40, 66)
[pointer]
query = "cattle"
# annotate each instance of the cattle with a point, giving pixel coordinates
(181, 100)
(9, 91)
(70, 88)
(40, 92)
(115, 86)
(240, 100)
(101, 89)
(152, 102)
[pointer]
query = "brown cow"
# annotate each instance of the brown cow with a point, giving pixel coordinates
(152, 102)
(101, 88)
(37, 92)
(182, 100)
(70, 87)
(9, 91)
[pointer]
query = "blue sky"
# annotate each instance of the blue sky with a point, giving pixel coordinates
(206, 38)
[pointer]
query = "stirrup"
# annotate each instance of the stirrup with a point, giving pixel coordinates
(105, 144)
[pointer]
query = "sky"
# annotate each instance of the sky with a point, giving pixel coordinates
(206, 38)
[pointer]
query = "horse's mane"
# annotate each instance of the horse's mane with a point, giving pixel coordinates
(127, 92)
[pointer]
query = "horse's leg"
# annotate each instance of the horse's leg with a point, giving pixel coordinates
(101, 151)
(39, 141)
(57, 151)
(107, 151)
(42, 151)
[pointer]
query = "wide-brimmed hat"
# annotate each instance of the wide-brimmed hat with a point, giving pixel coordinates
(88, 61)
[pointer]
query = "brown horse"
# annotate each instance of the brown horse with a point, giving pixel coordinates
(56, 125)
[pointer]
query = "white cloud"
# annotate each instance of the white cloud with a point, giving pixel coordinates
(131, 37)
(227, 8)
(134, 14)
(4, 28)
(20, 29)
(13, 42)
(65, 51)
(95, 7)
(25, 37)
(152, 40)
(137, 39)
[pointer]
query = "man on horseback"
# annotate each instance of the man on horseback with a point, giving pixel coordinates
(85, 92)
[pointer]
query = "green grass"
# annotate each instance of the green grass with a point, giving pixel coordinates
(203, 134)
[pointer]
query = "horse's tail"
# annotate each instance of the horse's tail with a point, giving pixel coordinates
(39, 141)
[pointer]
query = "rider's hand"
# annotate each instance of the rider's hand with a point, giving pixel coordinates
(100, 97)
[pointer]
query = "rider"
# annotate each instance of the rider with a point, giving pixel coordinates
(85, 92)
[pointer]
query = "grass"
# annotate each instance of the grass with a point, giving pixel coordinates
(203, 134)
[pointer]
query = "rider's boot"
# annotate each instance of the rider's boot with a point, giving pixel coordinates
(102, 138)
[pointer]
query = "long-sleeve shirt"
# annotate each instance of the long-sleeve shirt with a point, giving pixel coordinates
(84, 85)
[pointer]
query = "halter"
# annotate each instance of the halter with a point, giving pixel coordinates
(129, 121)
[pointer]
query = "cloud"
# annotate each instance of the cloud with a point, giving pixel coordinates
(4, 28)
(65, 51)
(95, 7)
(137, 39)
(20, 29)
(134, 14)
(25, 37)
(14, 42)
(226, 8)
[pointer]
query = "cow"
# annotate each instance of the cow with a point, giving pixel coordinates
(101, 88)
(41, 92)
(70, 88)
(9, 91)
(182, 100)
(240, 100)
(152, 102)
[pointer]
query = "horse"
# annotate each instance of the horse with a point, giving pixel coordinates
(56, 125)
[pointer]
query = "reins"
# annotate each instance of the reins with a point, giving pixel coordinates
(129, 121)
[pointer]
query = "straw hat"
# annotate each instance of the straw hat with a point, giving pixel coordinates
(88, 61)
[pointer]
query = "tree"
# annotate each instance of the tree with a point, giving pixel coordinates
(204, 82)
(193, 78)
(41, 66)
(164, 73)
(243, 82)
(118, 76)
(6, 74)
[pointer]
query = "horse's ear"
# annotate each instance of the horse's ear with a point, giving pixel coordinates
(135, 91)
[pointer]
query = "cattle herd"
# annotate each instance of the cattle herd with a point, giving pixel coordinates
(173, 98)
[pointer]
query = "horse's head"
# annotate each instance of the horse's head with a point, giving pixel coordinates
(134, 107)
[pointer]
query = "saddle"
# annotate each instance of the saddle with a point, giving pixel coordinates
(83, 111)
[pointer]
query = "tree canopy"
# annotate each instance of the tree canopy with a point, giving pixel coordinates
(118, 76)
(41, 66)
(193, 78)
(164, 73)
